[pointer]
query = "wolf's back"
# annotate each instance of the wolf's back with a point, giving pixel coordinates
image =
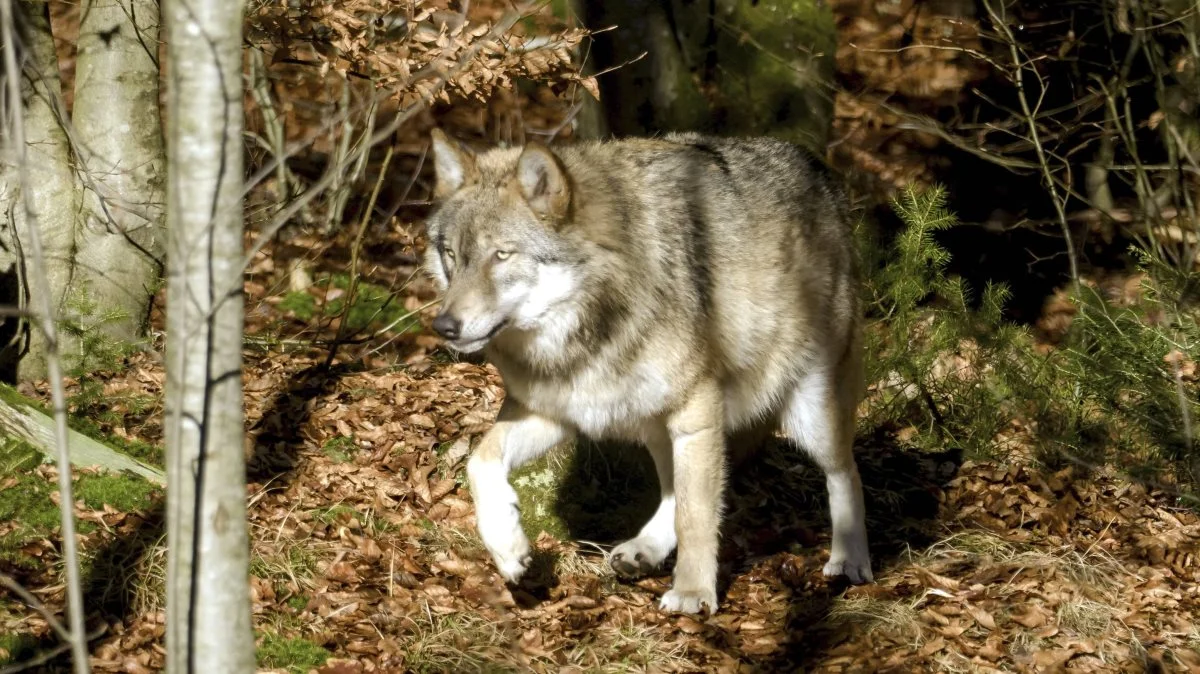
(736, 250)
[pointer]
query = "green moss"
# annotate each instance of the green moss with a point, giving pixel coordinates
(17, 457)
(592, 491)
(340, 448)
(301, 304)
(537, 485)
(123, 492)
(10, 396)
(561, 9)
(92, 402)
(336, 514)
(294, 655)
(374, 307)
(25, 501)
(16, 648)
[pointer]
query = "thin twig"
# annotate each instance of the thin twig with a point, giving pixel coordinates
(1001, 22)
(32, 601)
(355, 253)
(16, 138)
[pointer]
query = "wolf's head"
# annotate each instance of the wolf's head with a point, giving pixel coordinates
(494, 247)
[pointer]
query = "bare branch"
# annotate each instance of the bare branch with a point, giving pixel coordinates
(16, 137)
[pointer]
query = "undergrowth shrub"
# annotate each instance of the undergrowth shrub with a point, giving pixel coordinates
(948, 372)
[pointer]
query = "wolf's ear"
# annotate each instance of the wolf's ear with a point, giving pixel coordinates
(544, 182)
(453, 164)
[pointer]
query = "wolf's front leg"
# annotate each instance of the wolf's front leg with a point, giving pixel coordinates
(519, 436)
(698, 453)
(646, 553)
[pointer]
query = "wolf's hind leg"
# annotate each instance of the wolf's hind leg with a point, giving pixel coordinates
(646, 553)
(819, 416)
(519, 436)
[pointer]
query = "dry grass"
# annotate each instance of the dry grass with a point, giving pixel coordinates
(458, 642)
(1081, 589)
(583, 558)
(629, 648)
(1085, 617)
(1091, 568)
(149, 589)
(869, 614)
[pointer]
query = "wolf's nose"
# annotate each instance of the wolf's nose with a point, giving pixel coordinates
(447, 326)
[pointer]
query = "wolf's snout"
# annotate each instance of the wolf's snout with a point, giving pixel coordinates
(448, 326)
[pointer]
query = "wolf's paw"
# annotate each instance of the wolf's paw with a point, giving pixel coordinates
(513, 559)
(856, 571)
(503, 537)
(639, 557)
(514, 567)
(689, 601)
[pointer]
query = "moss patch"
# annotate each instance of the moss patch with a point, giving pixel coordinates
(300, 304)
(340, 448)
(374, 307)
(87, 403)
(16, 648)
(591, 491)
(294, 655)
(27, 512)
(123, 492)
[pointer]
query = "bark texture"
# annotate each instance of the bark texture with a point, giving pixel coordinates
(208, 599)
(97, 187)
(119, 145)
(53, 198)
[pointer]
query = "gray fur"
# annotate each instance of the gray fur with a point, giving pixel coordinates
(669, 291)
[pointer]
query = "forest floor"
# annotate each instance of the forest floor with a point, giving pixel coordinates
(365, 556)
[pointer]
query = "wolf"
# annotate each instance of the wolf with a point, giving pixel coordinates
(672, 291)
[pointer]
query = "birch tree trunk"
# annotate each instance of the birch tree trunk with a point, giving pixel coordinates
(121, 237)
(208, 598)
(53, 197)
(97, 189)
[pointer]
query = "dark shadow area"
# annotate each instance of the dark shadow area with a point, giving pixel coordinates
(280, 430)
(113, 582)
(13, 330)
(902, 488)
(539, 580)
(776, 502)
(609, 491)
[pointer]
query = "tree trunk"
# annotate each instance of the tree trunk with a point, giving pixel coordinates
(121, 236)
(53, 198)
(208, 599)
(20, 419)
(102, 225)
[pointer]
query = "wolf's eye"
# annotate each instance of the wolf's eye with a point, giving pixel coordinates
(450, 254)
(503, 254)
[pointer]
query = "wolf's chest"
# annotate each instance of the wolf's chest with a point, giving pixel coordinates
(599, 403)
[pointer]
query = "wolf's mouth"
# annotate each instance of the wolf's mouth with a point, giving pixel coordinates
(473, 345)
(496, 330)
